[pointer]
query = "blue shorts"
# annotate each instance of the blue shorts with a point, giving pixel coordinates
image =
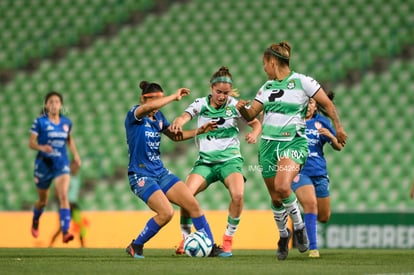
(321, 184)
(144, 186)
(48, 169)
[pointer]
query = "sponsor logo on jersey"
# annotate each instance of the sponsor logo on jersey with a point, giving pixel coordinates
(49, 128)
(57, 135)
(152, 134)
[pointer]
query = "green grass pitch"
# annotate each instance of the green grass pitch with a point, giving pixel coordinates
(162, 261)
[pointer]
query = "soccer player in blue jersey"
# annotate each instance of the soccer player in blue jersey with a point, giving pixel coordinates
(50, 135)
(283, 99)
(311, 185)
(148, 178)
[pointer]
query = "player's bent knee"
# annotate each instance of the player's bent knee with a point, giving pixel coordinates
(238, 198)
(166, 216)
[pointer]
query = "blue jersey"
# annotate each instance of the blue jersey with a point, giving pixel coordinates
(316, 164)
(143, 139)
(55, 135)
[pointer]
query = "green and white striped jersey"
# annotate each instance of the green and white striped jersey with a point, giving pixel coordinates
(223, 143)
(284, 106)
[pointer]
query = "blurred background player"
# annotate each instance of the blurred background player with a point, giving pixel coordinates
(148, 178)
(311, 185)
(50, 134)
(283, 98)
(79, 223)
(219, 151)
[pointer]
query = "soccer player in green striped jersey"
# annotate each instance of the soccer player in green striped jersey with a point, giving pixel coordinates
(219, 151)
(283, 99)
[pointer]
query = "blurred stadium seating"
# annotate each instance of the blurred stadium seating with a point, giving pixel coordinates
(184, 46)
(35, 29)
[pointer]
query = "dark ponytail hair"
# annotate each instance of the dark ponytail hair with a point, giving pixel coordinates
(52, 93)
(148, 87)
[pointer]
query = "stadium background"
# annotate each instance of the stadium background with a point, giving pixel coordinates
(96, 52)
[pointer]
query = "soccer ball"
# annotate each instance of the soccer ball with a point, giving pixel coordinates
(198, 244)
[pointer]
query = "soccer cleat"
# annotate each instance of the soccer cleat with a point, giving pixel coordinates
(283, 247)
(314, 253)
(135, 250)
(227, 246)
(225, 254)
(35, 228)
(67, 237)
(180, 249)
(216, 251)
(301, 240)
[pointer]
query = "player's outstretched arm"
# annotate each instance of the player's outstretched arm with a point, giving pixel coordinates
(330, 109)
(178, 123)
(249, 112)
(334, 141)
(187, 134)
(158, 103)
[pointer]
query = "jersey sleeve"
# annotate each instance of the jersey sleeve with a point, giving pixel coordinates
(310, 86)
(131, 118)
(36, 127)
(194, 108)
(260, 96)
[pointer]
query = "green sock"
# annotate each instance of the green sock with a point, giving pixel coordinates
(232, 224)
(185, 223)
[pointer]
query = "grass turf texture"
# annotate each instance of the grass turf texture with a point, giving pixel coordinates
(159, 261)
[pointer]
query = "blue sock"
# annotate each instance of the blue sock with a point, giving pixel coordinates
(37, 213)
(64, 215)
(150, 229)
(201, 224)
(311, 230)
